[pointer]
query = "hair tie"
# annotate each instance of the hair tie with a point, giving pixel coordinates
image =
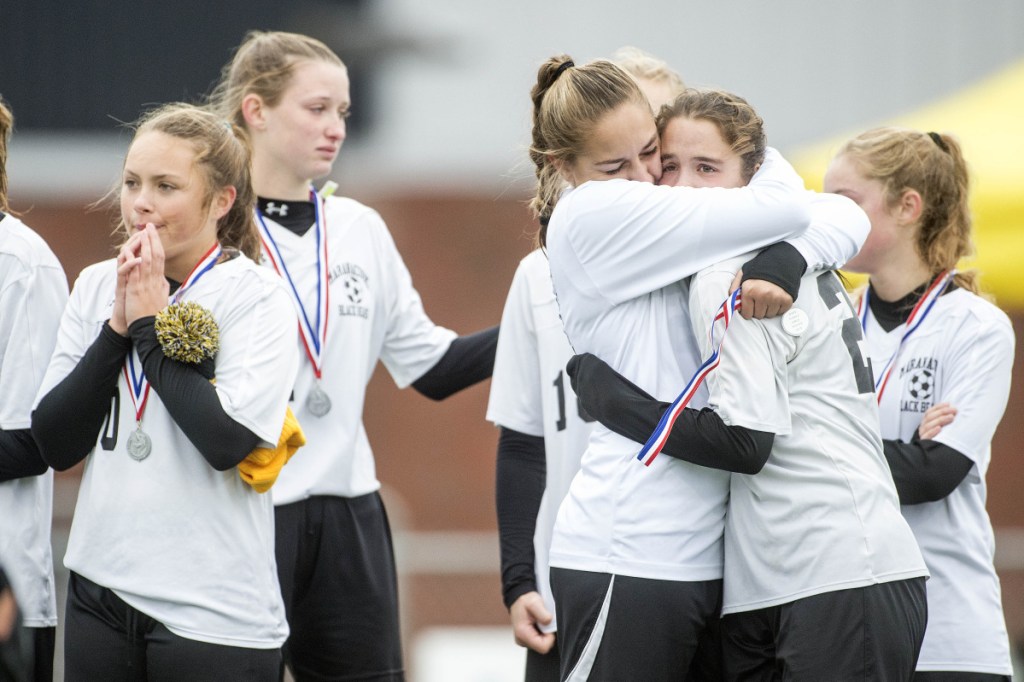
(937, 139)
(562, 67)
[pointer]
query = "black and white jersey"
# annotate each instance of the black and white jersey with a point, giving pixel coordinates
(173, 537)
(823, 514)
(531, 393)
(374, 314)
(961, 354)
(33, 291)
(618, 252)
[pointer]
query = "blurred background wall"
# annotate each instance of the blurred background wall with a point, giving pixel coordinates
(437, 144)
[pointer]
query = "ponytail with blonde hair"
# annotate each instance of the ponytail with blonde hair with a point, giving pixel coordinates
(263, 65)
(568, 101)
(223, 158)
(933, 165)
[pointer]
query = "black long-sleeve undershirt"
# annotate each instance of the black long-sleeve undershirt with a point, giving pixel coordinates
(519, 488)
(67, 421)
(699, 436)
(781, 264)
(469, 360)
(925, 470)
(192, 401)
(19, 455)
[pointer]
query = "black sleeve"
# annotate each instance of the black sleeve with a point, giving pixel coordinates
(68, 419)
(470, 359)
(925, 470)
(699, 436)
(19, 455)
(521, 478)
(192, 401)
(779, 264)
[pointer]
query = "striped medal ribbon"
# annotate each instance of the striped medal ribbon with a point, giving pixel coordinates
(312, 331)
(917, 316)
(657, 440)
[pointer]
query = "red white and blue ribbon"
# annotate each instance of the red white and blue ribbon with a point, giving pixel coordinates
(204, 265)
(917, 316)
(312, 331)
(657, 440)
(138, 385)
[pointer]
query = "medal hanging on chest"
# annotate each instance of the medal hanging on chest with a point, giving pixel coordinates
(318, 402)
(312, 329)
(139, 444)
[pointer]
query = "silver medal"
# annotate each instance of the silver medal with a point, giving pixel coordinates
(139, 445)
(318, 402)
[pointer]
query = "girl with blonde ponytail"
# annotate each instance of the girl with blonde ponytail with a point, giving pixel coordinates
(174, 362)
(358, 307)
(942, 356)
(542, 432)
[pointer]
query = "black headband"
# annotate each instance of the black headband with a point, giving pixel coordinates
(937, 139)
(562, 67)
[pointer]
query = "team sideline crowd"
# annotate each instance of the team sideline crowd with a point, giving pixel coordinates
(716, 459)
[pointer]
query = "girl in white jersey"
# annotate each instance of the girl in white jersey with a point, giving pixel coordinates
(171, 551)
(543, 431)
(822, 577)
(33, 291)
(942, 370)
(357, 306)
(618, 251)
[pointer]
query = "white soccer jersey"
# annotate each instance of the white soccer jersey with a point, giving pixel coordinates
(375, 314)
(186, 544)
(618, 250)
(961, 354)
(33, 291)
(531, 393)
(823, 514)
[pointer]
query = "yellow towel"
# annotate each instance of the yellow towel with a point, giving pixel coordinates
(261, 468)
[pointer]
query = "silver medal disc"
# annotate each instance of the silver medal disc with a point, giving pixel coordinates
(318, 402)
(139, 445)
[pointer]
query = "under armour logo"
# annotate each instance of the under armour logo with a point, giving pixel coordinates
(281, 210)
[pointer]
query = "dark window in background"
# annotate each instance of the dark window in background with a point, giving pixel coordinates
(87, 65)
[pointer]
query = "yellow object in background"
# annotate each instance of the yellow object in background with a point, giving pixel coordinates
(986, 120)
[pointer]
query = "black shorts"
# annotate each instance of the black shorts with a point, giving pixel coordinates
(542, 667)
(613, 627)
(868, 633)
(337, 570)
(106, 639)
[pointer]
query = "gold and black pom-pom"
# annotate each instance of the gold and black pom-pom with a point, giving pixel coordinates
(187, 332)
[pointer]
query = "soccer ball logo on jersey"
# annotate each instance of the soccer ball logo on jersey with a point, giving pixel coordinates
(353, 287)
(918, 378)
